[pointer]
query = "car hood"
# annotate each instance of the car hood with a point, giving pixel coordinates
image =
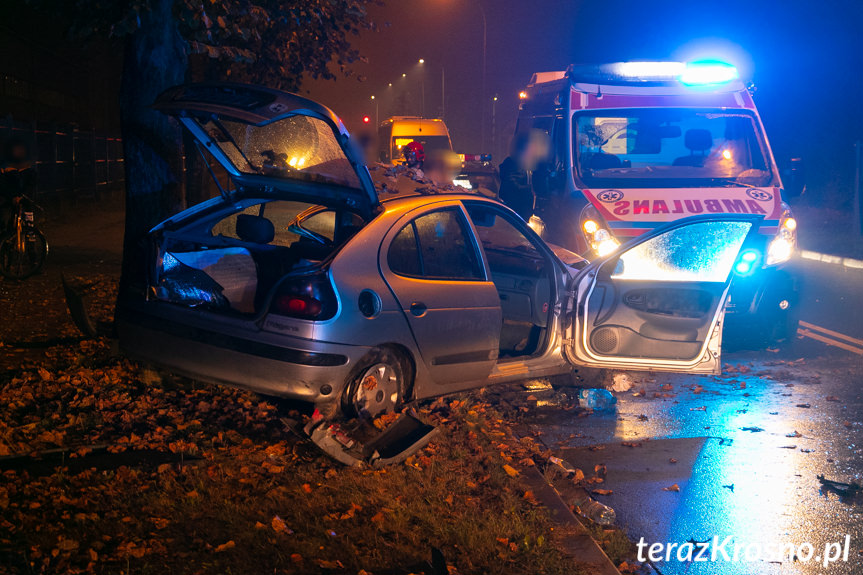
(631, 212)
(274, 142)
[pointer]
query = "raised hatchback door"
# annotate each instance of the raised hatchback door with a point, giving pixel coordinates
(658, 302)
(270, 140)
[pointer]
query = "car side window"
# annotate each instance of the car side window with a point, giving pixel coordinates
(436, 246)
(404, 256)
(506, 247)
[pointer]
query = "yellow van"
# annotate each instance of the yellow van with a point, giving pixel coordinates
(397, 132)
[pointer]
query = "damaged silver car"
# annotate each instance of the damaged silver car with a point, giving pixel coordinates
(299, 281)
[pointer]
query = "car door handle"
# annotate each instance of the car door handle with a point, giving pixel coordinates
(418, 308)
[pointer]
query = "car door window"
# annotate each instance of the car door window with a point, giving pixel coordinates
(436, 246)
(404, 256)
(702, 252)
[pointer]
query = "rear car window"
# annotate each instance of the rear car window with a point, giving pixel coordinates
(436, 246)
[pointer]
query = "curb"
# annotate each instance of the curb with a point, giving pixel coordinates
(577, 541)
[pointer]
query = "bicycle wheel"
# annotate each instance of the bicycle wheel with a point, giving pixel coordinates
(16, 263)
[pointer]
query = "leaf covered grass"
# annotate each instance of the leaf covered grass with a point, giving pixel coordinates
(234, 492)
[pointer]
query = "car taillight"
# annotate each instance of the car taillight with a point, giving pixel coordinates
(305, 297)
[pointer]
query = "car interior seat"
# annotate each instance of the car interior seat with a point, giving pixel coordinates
(255, 229)
(698, 141)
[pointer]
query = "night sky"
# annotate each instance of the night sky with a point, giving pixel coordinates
(805, 58)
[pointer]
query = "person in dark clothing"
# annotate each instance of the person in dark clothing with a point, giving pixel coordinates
(516, 174)
(17, 178)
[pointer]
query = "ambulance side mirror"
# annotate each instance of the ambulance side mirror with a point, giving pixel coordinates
(794, 178)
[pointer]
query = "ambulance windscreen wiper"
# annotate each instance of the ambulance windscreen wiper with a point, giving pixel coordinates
(733, 182)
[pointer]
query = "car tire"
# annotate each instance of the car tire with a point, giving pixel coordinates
(379, 385)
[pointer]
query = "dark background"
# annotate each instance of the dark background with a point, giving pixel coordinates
(804, 57)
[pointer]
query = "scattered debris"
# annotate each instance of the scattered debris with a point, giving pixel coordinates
(804, 405)
(621, 382)
(702, 408)
(729, 487)
(795, 434)
(753, 429)
(406, 435)
(838, 487)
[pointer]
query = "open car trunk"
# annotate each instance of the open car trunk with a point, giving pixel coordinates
(298, 191)
(233, 260)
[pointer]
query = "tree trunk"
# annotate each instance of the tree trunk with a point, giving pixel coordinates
(154, 60)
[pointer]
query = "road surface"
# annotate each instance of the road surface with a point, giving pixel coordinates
(745, 449)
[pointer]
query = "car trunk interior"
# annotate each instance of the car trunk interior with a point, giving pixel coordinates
(231, 262)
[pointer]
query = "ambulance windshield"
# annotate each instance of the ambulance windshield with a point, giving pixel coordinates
(669, 147)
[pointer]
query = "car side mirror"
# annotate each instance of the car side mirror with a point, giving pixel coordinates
(794, 177)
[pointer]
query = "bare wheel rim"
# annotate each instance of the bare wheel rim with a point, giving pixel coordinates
(377, 391)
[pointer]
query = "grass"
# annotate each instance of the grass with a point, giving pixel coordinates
(254, 499)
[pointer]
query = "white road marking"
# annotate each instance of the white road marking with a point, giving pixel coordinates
(830, 337)
(828, 259)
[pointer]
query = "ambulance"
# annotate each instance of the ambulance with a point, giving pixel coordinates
(397, 132)
(635, 144)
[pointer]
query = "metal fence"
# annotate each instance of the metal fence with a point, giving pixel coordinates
(70, 162)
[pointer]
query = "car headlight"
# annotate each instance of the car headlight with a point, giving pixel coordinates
(783, 244)
(596, 233)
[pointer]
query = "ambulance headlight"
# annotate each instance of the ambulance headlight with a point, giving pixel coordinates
(783, 244)
(596, 233)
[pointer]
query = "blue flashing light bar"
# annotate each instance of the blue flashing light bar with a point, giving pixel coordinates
(700, 73)
(708, 73)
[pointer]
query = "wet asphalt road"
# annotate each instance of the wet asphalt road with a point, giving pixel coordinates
(748, 446)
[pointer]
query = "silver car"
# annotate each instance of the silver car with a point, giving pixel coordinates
(300, 280)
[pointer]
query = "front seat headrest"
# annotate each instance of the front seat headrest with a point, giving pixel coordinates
(698, 140)
(255, 229)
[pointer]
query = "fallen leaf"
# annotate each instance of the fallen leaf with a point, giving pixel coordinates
(530, 497)
(279, 526)
(675, 488)
(67, 545)
(307, 488)
(602, 491)
(833, 398)
(225, 546)
(511, 471)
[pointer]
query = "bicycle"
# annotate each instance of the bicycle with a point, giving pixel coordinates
(23, 249)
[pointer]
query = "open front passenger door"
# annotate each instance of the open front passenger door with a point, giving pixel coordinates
(658, 302)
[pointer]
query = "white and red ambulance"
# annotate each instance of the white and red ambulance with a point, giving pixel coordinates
(636, 144)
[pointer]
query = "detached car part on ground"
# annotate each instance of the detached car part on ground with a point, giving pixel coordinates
(301, 282)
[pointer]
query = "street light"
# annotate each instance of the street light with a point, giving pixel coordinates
(422, 88)
(377, 111)
(484, 54)
(493, 123)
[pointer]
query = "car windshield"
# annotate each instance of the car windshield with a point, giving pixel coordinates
(297, 147)
(664, 147)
